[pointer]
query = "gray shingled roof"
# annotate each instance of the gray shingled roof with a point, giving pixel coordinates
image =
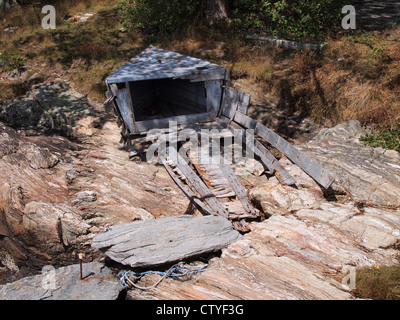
(155, 63)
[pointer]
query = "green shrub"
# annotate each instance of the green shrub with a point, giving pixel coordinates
(387, 139)
(10, 62)
(17, 62)
(4, 59)
(158, 16)
(299, 20)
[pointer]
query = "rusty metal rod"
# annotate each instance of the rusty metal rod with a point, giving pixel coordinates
(80, 256)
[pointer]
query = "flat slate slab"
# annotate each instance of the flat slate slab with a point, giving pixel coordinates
(98, 283)
(156, 242)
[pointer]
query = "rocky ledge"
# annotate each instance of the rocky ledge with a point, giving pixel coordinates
(56, 194)
(313, 241)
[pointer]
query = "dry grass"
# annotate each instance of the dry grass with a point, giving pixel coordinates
(379, 283)
(85, 53)
(356, 77)
(360, 79)
(258, 69)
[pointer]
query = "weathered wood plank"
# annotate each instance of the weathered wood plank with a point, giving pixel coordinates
(156, 242)
(146, 125)
(243, 103)
(225, 194)
(123, 98)
(214, 92)
(234, 183)
(186, 189)
(217, 182)
(114, 89)
(197, 184)
(237, 188)
(129, 105)
(313, 169)
(222, 180)
(264, 154)
(230, 102)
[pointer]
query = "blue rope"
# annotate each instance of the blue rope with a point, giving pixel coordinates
(174, 272)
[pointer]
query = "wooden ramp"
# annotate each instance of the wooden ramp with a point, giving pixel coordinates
(234, 115)
(210, 183)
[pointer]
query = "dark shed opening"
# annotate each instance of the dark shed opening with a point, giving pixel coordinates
(156, 99)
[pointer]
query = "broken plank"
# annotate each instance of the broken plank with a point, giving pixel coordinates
(265, 155)
(233, 216)
(244, 102)
(313, 169)
(186, 189)
(225, 195)
(236, 186)
(230, 102)
(234, 207)
(218, 180)
(197, 184)
(226, 191)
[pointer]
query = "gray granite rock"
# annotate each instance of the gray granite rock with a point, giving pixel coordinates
(160, 241)
(369, 174)
(98, 283)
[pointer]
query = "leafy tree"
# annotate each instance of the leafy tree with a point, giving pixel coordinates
(290, 19)
(158, 16)
(301, 20)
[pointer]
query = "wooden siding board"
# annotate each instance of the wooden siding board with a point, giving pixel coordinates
(146, 125)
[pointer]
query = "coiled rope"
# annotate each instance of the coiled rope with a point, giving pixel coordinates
(178, 270)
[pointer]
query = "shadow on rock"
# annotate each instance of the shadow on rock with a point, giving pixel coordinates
(53, 107)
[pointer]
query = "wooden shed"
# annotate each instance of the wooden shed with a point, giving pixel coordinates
(159, 86)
